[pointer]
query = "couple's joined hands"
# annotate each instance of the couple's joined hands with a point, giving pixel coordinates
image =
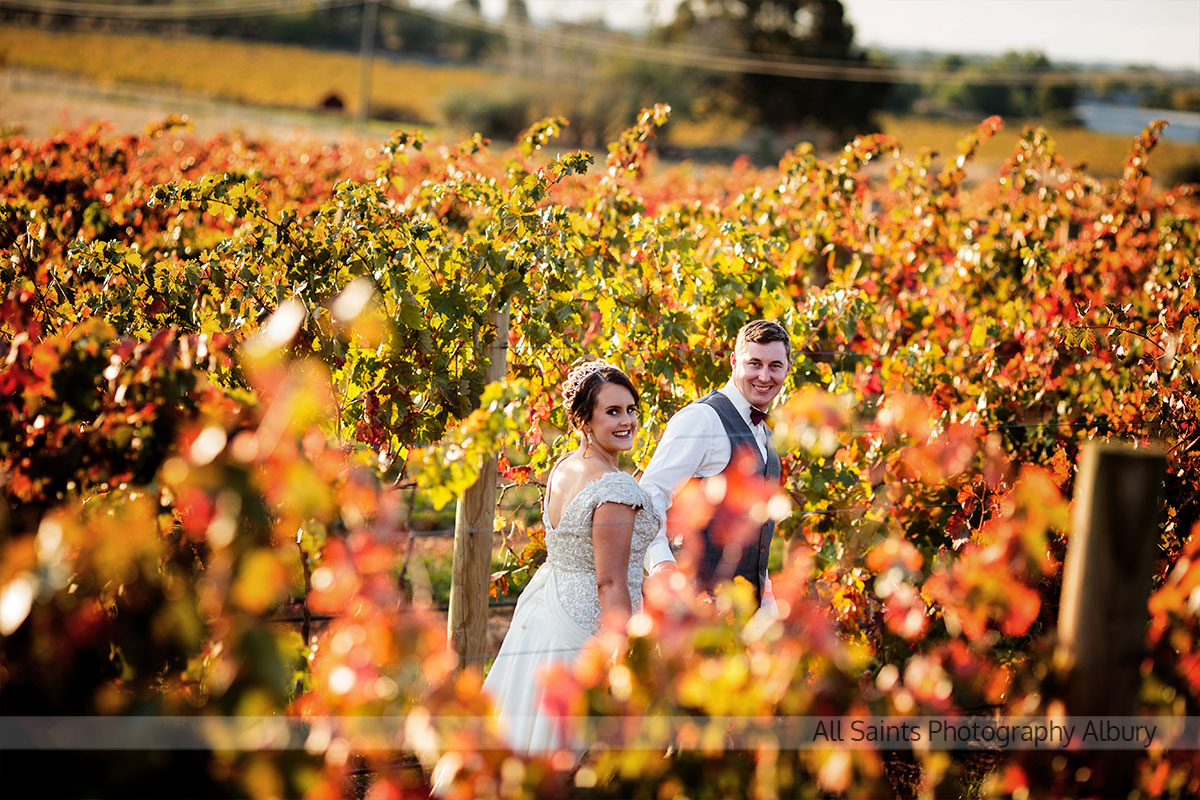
(659, 573)
(661, 567)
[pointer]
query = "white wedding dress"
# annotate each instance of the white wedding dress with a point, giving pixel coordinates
(559, 610)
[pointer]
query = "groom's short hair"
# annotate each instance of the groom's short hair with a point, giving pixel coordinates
(763, 331)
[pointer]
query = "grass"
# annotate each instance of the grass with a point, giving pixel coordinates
(432, 564)
(1101, 154)
(432, 559)
(245, 72)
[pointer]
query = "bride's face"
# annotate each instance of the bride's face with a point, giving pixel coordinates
(614, 418)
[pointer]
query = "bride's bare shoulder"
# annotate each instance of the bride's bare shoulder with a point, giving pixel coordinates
(569, 476)
(572, 473)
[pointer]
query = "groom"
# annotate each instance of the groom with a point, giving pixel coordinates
(700, 441)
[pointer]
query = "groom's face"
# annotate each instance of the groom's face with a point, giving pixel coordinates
(759, 369)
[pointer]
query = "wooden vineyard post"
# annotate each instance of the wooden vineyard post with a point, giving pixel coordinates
(473, 520)
(366, 54)
(1107, 577)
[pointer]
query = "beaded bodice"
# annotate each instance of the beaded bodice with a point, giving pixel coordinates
(569, 546)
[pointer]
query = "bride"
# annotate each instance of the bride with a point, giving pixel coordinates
(598, 524)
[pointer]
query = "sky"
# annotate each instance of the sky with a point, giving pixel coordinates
(1162, 33)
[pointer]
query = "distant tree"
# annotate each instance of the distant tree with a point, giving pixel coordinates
(995, 87)
(1185, 99)
(780, 29)
(516, 10)
(468, 44)
(1147, 88)
(900, 98)
(404, 31)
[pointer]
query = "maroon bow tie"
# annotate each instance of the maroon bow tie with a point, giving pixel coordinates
(756, 416)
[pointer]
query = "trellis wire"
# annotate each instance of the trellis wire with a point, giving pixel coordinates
(441, 532)
(1101, 424)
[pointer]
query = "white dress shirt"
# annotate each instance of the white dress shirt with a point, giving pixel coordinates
(694, 445)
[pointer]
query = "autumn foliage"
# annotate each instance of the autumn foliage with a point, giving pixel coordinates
(227, 366)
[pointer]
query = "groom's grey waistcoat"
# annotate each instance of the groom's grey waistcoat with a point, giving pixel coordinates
(752, 563)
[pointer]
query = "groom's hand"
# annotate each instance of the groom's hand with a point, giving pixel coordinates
(660, 573)
(658, 581)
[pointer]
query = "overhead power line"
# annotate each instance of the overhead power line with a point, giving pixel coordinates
(603, 44)
(740, 61)
(171, 11)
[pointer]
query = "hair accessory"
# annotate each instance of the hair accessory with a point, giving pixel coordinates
(580, 374)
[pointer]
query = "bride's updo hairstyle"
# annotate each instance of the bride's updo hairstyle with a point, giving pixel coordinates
(583, 384)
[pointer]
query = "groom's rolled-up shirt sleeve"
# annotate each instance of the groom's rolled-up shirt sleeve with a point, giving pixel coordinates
(691, 446)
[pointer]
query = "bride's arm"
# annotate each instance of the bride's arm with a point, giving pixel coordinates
(612, 533)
